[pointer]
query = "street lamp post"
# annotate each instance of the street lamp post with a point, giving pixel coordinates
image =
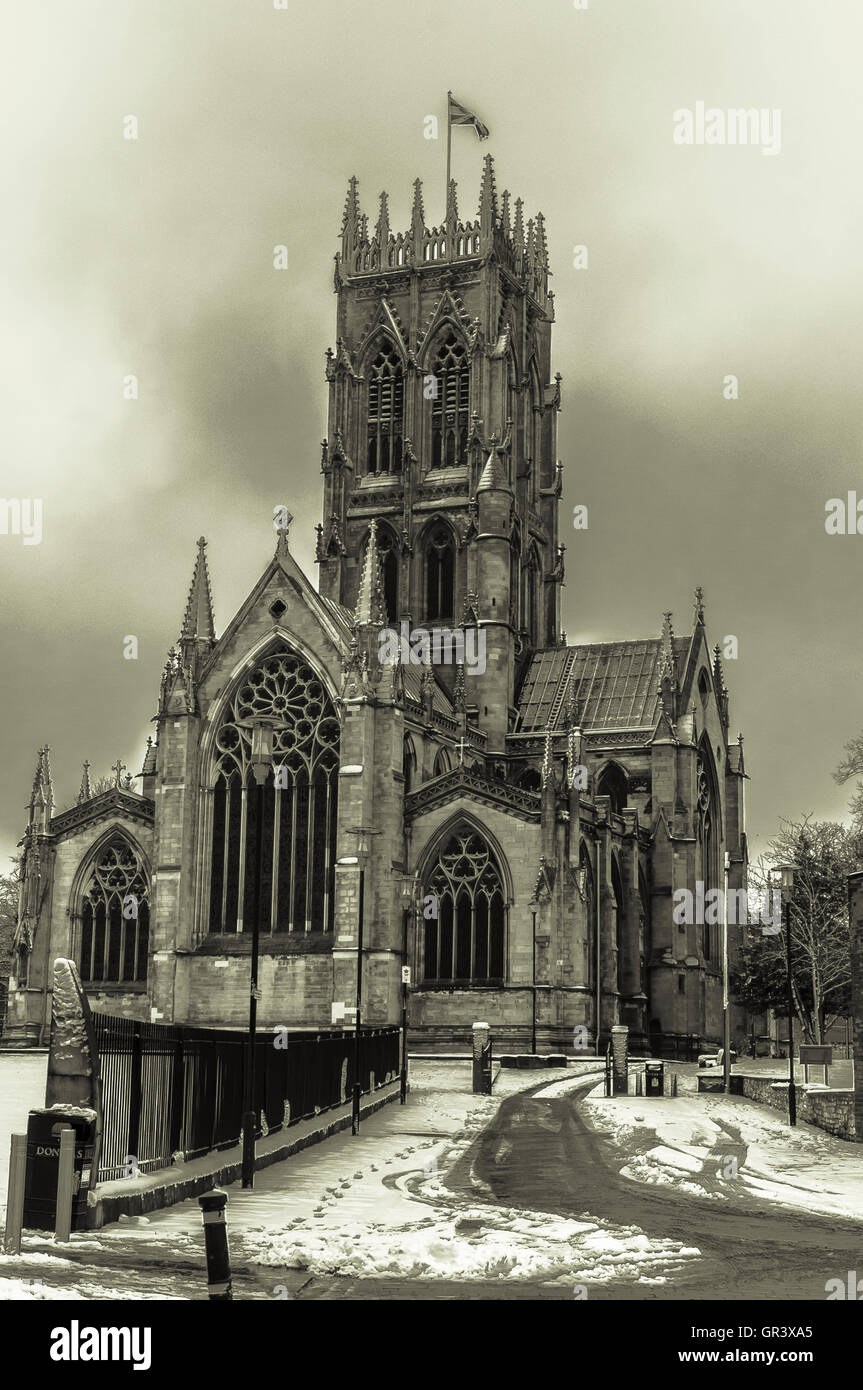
(261, 761)
(410, 901)
(726, 1014)
(533, 987)
(362, 856)
(786, 874)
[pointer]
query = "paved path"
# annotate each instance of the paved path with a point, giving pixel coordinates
(544, 1154)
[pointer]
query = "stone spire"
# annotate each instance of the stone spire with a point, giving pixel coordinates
(541, 241)
(719, 683)
(487, 199)
(518, 235)
(370, 610)
(351, 219)
(573, 741)
(699, 606)
(382, 230)
(42, 795)
(149, 768)
(493, 474)
(504, 215)
(85, 793)
(667, 671)
(198, 618)
(667, 666)
(418, 221)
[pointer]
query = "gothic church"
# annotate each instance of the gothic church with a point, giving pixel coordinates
(526, 823)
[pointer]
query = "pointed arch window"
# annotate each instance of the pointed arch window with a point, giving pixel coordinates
(442, 762)
(465, 944)
(440, 568)
(450, 404)
(115, 918)
(385, 413)
(613, 784)
(300, 804)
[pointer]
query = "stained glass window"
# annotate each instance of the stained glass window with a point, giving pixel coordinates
(299, 804)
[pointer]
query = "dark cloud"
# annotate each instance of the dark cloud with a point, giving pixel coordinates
(155, 258)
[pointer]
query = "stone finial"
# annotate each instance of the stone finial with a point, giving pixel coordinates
(198, 617)
(85, 792)
(370, 607)
(282, 522)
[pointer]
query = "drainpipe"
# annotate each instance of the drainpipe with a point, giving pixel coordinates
(599, 860)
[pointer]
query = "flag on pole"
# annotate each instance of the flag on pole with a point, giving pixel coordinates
(459, 115)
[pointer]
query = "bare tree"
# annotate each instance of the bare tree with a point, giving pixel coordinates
(8, 918)
(825, 852)
(852, 766)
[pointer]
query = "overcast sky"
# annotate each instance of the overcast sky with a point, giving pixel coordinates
(155, 257)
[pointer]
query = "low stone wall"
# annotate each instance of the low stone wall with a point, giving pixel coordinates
(832, 1111)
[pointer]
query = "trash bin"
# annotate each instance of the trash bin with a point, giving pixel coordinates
(654, 1077)
(43, 1166)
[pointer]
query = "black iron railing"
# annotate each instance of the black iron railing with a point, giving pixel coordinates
(172, 1088)
(675, 1047)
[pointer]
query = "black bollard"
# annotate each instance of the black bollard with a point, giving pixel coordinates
(216, 1240)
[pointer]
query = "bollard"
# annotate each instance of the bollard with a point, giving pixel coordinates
(65, 1183)
(480, 1044)
(15, 1194)
(216, 1241)
(620, 1058)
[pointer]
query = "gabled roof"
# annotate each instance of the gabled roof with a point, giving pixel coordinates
(615, 684)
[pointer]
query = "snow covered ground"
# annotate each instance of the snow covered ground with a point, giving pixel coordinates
(716, 1146)
(22, 1088)
(371, 1206)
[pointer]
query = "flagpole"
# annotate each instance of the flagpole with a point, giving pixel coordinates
(448, 160)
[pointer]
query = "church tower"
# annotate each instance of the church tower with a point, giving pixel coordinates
(442, 425)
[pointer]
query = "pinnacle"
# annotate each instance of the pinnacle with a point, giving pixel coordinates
(85, 793)
(493, 475)
(352, 205)
(198, 618)
(418, 219)
(488, 193)
(370, 598)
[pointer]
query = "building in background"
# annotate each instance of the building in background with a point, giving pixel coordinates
(533, 806)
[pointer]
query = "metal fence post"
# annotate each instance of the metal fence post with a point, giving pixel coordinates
(212, 1206)
(15, 1194)
(178, 1091)
(135, 1093)
(65, 1183)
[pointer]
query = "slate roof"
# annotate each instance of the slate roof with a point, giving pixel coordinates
(615, 684)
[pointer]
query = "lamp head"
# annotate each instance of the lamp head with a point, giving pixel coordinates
(786, 874)
(261, 756)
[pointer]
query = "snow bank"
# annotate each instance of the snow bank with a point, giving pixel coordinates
(477, 1243)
